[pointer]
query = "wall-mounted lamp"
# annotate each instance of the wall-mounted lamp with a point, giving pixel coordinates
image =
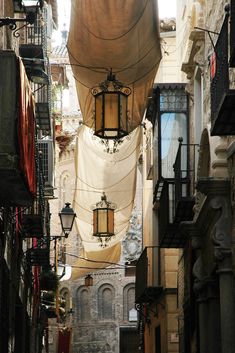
(29, 7)
(67, 217)
(89, 281)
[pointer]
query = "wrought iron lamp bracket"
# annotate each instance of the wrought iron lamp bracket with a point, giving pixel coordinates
(209, 32)
(12, 22)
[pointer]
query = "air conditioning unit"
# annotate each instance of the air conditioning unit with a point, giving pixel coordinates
(46, 149)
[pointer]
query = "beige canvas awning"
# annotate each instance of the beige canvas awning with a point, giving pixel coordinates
(120, 35)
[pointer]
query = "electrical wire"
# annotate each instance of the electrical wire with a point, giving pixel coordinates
(109, 186)
(97, 261)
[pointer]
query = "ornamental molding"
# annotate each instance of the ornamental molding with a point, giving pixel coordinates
(211, 230)
(195, 41)
(194, 55)
(132, 244)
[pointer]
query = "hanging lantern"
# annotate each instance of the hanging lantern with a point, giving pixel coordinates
(111, 114)
(103, 220)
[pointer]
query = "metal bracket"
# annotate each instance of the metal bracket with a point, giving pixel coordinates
(12, 22)
(209, 34)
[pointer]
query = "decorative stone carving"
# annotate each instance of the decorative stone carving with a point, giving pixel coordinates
(211, 230)
(221, 234)
(132, 244)
(199, 199)
(199, 57)
(196, 41)
(220, 165)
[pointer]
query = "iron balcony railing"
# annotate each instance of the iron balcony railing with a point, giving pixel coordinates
(33, 49)
(146, 288)
(222, 96)
(43, 107)
(174, 197)
(35, 34)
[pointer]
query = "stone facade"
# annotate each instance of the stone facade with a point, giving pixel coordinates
(211, 280)
(101, 310)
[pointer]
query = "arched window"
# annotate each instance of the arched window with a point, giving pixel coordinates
(129, 312)
(106, 302)
(83, 304)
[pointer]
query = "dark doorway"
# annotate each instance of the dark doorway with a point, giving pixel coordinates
(129, 340)
(158, 339)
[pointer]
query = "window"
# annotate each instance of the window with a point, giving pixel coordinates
(158, 339)
(83, 304)
(106, 302)
(173, 125)
(129, 303)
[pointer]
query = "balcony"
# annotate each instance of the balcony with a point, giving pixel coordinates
(146, 289)
(173, 198)
(33, 50)
(222, 92)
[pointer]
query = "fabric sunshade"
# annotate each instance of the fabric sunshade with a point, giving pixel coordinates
(98, 172)
(121, 35)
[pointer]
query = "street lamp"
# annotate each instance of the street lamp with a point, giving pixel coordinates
(67, 217)
(103, 220)
(111, 115)
(29, 7)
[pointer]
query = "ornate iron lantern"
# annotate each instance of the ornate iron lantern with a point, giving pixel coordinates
(103, 220)
(111, 114)
(67, 217)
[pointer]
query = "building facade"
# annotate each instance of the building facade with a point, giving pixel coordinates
(209, 278)
(25, 119)
(156, 271)
(193, 189)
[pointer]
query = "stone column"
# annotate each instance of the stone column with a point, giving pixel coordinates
(227, 307)
(222, 236)
(213, 316)
(202, 317)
